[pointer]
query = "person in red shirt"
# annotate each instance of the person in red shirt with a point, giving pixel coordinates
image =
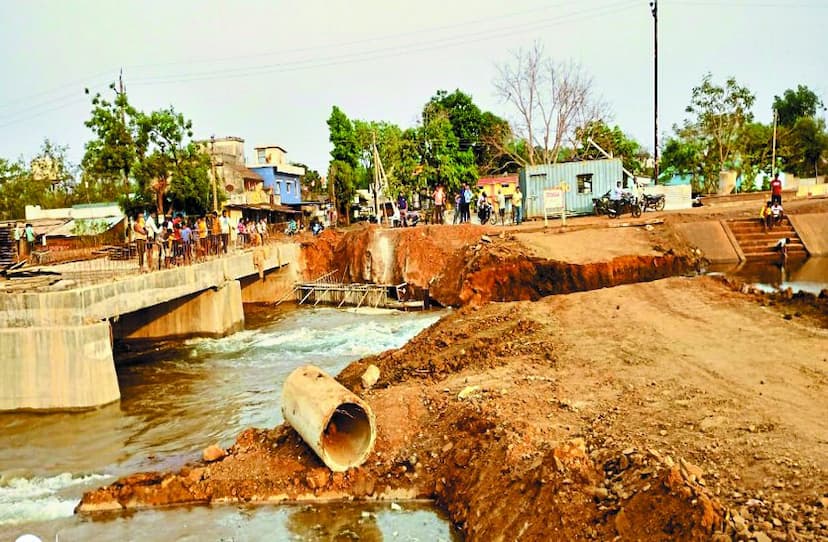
(776, 190)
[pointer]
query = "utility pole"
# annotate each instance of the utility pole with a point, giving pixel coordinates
(773, 152)
(213, 170)
(654, 11)
(121, 98)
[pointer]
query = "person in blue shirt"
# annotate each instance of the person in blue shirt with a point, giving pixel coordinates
(402, 205)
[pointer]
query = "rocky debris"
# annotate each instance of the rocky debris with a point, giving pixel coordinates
(370, 377)
(213, 453)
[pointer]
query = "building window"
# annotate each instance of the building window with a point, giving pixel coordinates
(585, 183)
(260, 156)
(287, 187)
(538, 178)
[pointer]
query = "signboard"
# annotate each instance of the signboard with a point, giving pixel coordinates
(553, 199)
(554, 203)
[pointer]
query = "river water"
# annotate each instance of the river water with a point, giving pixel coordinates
(176, 400)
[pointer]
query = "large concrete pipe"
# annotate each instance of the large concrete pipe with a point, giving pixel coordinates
(337, 424)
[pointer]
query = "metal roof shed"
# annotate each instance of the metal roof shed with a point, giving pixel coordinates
(587, 179)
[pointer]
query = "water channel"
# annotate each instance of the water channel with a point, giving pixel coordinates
(176, 400)
(809, 275)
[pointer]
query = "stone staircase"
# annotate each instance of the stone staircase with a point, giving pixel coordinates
(757, 244)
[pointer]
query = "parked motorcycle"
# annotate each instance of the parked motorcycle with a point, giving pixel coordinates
(627, 204)
(600, 206)
(652, 201)
(413, 218)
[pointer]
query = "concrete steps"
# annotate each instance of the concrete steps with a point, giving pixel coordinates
(757, 244)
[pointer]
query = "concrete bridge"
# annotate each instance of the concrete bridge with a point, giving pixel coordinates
(56, 346)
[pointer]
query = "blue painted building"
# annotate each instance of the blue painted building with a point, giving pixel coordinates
(284, 186)
(586, 180)
(280, 179)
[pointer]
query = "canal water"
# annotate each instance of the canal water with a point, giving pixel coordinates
(809, 275)
(176, 400)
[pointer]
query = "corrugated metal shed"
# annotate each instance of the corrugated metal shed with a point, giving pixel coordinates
(588, 179)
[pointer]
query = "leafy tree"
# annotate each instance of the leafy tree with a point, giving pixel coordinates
(613, 140)
(720, 114)
(755, 153)
(803, 146)
(443, 161)
(175, 169)
(311, 182)
(153, 154)
(116, 147)
(341, 186)
(15, 177)
(343, 169)
(795, 104)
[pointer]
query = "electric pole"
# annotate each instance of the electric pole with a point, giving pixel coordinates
(213, 170)
(654, 11)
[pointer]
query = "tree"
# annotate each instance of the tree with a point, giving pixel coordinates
(153, 154)
(551, 99)
(803, 146)
(114, 150)
(172, 167)
(14, 179)
(720, 114)
(342, 170)
(613, 140)
(311, 182)
(795, 104)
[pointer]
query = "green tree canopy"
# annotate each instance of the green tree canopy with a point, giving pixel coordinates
(795, 104)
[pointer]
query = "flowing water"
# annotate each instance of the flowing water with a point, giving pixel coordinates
(176, 400)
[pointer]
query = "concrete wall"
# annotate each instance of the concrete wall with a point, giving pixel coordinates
(813, 230)
(209, 313)
(59, 367)
(55, 347)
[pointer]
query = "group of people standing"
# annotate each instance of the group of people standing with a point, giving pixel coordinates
(463, 202)
(181, 240)
(24, 240)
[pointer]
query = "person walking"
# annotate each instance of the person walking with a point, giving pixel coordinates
(517, 205)
(402, 206)
(501, 207)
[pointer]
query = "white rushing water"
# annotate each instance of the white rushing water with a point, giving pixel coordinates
(177, 399)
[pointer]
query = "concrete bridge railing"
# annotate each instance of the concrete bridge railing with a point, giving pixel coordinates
(56, 347)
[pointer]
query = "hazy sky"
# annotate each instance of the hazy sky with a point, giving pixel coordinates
(270, 70)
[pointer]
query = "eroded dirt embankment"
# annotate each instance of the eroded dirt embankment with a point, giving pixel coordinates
(679, 409)
(472, 265)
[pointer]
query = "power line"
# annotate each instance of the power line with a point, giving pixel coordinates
(37, 109)
(375, 54)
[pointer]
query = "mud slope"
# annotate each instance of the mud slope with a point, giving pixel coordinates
(643, 411)
(469, 264)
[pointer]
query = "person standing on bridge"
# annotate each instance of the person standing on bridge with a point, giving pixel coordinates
(139, 234)
(224, 223)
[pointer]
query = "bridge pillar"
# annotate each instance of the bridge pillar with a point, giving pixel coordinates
(215, 312)
(57, 367)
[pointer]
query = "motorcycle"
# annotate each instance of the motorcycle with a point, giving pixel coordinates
(413, 218)
(652, 201)
(600, 206)
(627, 204)
(486, 214)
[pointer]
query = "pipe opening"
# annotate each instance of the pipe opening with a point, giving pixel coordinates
(347, 436)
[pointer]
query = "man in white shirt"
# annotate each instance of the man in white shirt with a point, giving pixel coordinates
(616, 193)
